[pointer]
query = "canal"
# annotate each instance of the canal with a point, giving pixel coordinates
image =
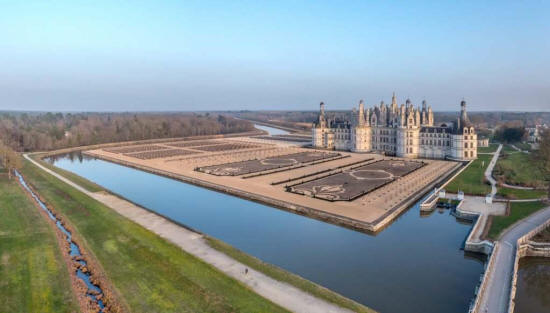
(272, 130)
(415, 265)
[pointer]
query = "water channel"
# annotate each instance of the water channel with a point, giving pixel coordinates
(272, 130)
(93, 290)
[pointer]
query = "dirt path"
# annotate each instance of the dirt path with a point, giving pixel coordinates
(280, 293)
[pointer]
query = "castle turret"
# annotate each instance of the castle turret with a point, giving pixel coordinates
(430, 116)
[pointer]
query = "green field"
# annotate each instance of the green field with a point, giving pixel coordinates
(282, 275)
(33, 275)
(518, 211)
(149, 273)
(490, 149)
(472, 180)
(523, 146)
(519, 169)
(510, 193)
(508, 149)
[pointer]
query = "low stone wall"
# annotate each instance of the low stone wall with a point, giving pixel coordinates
(475, 307)
(527, 247)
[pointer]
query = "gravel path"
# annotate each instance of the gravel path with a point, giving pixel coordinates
(281, 293)
(489, 171)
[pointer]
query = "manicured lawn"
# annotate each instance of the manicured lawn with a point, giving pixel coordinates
(508, 149)
(282, 275)
(149, 273)
(490, 149)
(33, 275)
(472, 180)
(511, 193)
(523, 146)
(69, 175)
(518, 211)
(519, 169)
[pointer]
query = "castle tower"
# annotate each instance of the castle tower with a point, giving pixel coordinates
(322, 119)
(361, 118)
(320, 130)
(430, 116)
(424, 117)
(361, 134)
(394, 103)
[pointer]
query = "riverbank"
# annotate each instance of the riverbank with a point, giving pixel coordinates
(34, 276)
(183, 238)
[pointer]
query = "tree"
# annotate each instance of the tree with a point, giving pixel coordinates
(543, 156)
(10, 159)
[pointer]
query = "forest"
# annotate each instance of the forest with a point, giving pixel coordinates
(25, 132)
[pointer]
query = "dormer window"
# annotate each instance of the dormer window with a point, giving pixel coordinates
(465, 130)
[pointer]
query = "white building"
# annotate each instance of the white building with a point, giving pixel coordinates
(401, 131)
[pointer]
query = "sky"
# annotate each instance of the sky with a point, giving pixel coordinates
(276, 55)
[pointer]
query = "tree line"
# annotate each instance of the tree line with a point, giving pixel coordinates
(49, 131)
(542, 156)
(9, 159)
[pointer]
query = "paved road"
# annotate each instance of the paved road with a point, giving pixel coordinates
(489, 171)
(283, 294)
(496, 297)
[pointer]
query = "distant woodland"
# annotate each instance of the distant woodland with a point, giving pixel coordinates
(48, 131)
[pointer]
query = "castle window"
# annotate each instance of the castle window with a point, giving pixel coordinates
(465, 145)
(465, 154)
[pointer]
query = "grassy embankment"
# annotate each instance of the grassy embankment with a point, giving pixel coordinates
(282, 275)
(268, 269)
(518, 211)
(519, 169)
(472, 179)
(33, 275)
(150, 273)
(490, 149)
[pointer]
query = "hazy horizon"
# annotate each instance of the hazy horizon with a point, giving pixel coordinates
(199, 56)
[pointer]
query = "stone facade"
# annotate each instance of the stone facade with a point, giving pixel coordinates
(402, 131)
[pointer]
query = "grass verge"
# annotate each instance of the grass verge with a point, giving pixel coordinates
(519, 169)
(150, 273)
(490, 149)
(83, 182)
(511, 193)
(284, 276)
(33, 275)
(472, 179)
(518, 211)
